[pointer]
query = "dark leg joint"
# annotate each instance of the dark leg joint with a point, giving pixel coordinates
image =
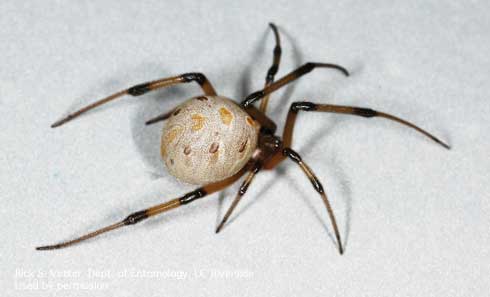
(365, 112)
(291, 154)
(189, 197)
(307, 67)
(305, 106)
(194, 76)
(271, 73)
(317, 185)
(265, 130)
(243, 188)
(252, 98)
(277, 50)
(256, 168)
(139, 89)
(135, 217)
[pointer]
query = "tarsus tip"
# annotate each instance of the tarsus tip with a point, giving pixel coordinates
(442, 143)
(61, 122)
(218, 229)
(344, 71)
(46, 247)
(57, 124)
(446, 146)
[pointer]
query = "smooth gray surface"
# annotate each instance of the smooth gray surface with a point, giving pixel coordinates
(415, 217)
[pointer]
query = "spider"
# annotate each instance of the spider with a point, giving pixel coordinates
(213, 141)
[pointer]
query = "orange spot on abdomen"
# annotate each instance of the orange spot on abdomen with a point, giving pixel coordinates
(198, 122)
(226, 116)
(168, 138)
(250, 121)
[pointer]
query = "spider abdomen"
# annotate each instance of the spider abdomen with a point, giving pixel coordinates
(207, 139)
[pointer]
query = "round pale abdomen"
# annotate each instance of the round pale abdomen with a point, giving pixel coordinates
(207, 139)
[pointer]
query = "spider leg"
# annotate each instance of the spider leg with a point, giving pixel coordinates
(243, 189)
(352, 110)
(144, 88)
(161, 117)
(141, 215)
(299, 72)
(269, 79)
(287, 152)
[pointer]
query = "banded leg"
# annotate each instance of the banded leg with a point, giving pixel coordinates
(358, 111)
(287, 152)
(144, 88)
(243, 189)
(269, 79)
(141, 215)
(299, 72)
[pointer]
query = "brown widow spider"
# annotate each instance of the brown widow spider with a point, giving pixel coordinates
(214, 141)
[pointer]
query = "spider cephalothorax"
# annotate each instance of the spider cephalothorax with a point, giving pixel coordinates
(212, 141)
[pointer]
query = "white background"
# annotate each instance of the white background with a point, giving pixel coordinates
(413, 216)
